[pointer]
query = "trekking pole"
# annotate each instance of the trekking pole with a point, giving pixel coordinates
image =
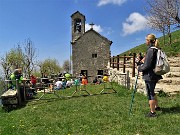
(135, 88)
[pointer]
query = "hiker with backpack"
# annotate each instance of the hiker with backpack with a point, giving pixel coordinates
(150, 78)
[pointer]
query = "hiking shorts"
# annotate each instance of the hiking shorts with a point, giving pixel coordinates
(150, 86)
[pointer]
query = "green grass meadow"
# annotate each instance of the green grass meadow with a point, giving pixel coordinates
(98, 114)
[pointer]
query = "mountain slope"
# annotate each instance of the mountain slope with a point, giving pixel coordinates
(171, 50)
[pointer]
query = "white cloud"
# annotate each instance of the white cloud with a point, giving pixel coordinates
(95, 27)
(116, 2)
(135, 22)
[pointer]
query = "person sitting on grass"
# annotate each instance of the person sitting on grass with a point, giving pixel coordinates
(95, 81)
(15, 75)
(58, 84)
(33, 82)
(105, 78)
(84, 82)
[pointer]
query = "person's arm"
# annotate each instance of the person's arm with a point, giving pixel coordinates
(55, 84)
(148, 61)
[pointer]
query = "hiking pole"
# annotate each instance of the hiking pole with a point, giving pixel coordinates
(135, 85)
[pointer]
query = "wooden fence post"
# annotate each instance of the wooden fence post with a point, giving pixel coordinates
(124, 62)
(118, 62)
(128, 80)
(113, 63)
(133, 67)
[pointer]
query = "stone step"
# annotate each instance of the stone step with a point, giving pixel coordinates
(174, 72)
(174, 64)
(174, 69)
(170, 81)
(174, 59)
(172, 75)
(171, 89)
(164, 85)
(171, 61)
(165, 80)
(168, 88)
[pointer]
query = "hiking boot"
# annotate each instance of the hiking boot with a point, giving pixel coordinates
(150, 114)
(158, 109)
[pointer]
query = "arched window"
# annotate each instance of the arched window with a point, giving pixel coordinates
(77, 25)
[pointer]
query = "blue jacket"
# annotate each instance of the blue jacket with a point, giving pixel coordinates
(149, 65)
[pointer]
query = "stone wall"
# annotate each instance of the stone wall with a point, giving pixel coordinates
(119, 77)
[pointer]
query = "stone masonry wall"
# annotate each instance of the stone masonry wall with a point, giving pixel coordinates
(119, 77)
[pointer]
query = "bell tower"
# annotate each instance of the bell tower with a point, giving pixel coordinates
(77, 25)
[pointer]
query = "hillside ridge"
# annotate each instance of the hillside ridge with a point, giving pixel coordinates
(171, 50)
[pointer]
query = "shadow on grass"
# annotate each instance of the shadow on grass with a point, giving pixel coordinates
(11, 107)
(174, 109)
(51, 99)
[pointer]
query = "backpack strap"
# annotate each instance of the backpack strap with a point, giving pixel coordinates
(153, 47)
(155, 51)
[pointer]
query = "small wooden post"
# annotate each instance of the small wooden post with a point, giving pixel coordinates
(118, 62)
(128, 80)
(124, 62)
(113, 63)
(133, 67)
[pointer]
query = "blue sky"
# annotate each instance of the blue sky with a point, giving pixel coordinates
(48, 24)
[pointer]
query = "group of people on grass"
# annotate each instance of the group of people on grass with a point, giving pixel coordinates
(61, 82)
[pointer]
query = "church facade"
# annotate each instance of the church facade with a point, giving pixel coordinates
(90, 50)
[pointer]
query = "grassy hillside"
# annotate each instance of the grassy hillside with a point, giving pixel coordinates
(171, 50)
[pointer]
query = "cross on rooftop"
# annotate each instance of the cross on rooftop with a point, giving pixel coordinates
(91, 25)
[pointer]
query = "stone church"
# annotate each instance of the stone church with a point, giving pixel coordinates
(90, 50)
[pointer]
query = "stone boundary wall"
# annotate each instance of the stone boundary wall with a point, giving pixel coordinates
(119, 77)
(126, 80)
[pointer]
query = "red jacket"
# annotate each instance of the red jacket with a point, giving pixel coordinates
(33, 79)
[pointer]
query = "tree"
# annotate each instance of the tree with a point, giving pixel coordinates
(12, 60)
(29, 56)
(16, 58)
(49, 66)
(66, 66)
(157, 24)
(6, 65)
(163, 15)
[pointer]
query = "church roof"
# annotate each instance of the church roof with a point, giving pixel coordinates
(92, 30)
(77, 12)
